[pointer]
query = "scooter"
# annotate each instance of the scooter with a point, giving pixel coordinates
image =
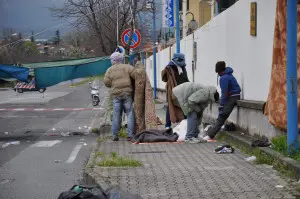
(95, 95)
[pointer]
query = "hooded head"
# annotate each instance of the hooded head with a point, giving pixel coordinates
(220, 67)
(116, 58)
(179, 59)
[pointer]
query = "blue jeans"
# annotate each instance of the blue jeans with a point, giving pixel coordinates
(119, 104)
(193, 121)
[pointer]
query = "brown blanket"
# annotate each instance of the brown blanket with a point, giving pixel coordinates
(144, 105)
(176, 113)
(276, 108)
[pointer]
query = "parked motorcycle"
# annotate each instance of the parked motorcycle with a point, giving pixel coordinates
(95, 94)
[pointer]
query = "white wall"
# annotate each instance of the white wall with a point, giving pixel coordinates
(227, 37)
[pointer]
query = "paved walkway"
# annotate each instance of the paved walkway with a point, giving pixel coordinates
(190, 171)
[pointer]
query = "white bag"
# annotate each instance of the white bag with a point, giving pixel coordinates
(181, 130)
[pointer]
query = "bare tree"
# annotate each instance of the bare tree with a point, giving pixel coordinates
(100, 18)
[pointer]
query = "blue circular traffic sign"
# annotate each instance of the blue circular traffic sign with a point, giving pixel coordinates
(136, 38)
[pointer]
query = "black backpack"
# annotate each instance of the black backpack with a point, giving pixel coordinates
(85, 192)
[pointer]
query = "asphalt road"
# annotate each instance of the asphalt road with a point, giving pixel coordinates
(37, 158)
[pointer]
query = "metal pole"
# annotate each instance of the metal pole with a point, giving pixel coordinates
(292, 83)
(143, 44)
(154, 50)
(118, 24)
(202, 12)
(177, 27)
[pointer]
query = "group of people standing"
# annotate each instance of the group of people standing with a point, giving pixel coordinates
(131, 92)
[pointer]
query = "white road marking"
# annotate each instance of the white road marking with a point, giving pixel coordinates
(78, 109)
(3, 109)
(19, 109)
(46, 143)
(74, 153)
(58, 109)
(39, 109)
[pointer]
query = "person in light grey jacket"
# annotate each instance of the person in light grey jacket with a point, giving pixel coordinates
(193, 98)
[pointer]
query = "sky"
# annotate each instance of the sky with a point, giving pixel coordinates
(26, 16)
(30, 15)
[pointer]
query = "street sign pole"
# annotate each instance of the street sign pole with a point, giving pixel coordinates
(292, 80)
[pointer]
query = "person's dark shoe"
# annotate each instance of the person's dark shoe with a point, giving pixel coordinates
(129, 139)
(116, 138)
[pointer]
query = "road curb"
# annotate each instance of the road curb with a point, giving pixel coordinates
(89, 176)
(246, 141)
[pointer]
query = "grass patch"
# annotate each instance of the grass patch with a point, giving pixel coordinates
(261, 157)
(118, 161)
(89, 79)
(85, 81)
(96, 131)
(280, 145)
(122, 133)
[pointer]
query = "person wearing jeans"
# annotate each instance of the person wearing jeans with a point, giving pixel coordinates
(120, 103)
(230, 95)
(118, 78)
(193, 99)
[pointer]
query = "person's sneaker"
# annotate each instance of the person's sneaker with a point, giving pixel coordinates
(206, 138)
(167, 128)
(116, 138)
(194, 140)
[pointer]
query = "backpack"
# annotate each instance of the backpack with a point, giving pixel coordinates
(83, 192)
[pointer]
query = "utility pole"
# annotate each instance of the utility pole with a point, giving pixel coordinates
(184, 10)
(292, 80)
(177, 27)
(151, 5)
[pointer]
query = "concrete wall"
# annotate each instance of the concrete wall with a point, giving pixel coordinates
(227, 37)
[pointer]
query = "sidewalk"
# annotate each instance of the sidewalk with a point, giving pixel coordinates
(188, 171)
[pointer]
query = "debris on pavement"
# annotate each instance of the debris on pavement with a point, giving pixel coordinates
(279, 186)
(262, 142)
(53, 129)
(77, 133)
(79, 128)
(65, 134)
(85, 127)
(57, 161)
(250, 159)
(6, 133)
(224, 149)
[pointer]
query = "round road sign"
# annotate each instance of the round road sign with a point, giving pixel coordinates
(136, 38)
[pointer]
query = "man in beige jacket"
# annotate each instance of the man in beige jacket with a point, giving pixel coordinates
(118, 78)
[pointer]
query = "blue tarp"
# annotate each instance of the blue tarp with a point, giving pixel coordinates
(9, 71)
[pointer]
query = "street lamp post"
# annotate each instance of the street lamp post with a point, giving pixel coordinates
(177, 28)
(151, 4)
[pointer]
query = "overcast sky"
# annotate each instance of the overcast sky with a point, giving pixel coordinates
(29, 15)
(32, 15)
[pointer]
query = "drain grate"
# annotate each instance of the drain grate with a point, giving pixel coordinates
(138, 152)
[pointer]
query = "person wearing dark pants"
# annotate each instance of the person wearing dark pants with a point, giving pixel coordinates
(231, 90)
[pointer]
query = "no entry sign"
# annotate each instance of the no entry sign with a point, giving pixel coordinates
(136, 38)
